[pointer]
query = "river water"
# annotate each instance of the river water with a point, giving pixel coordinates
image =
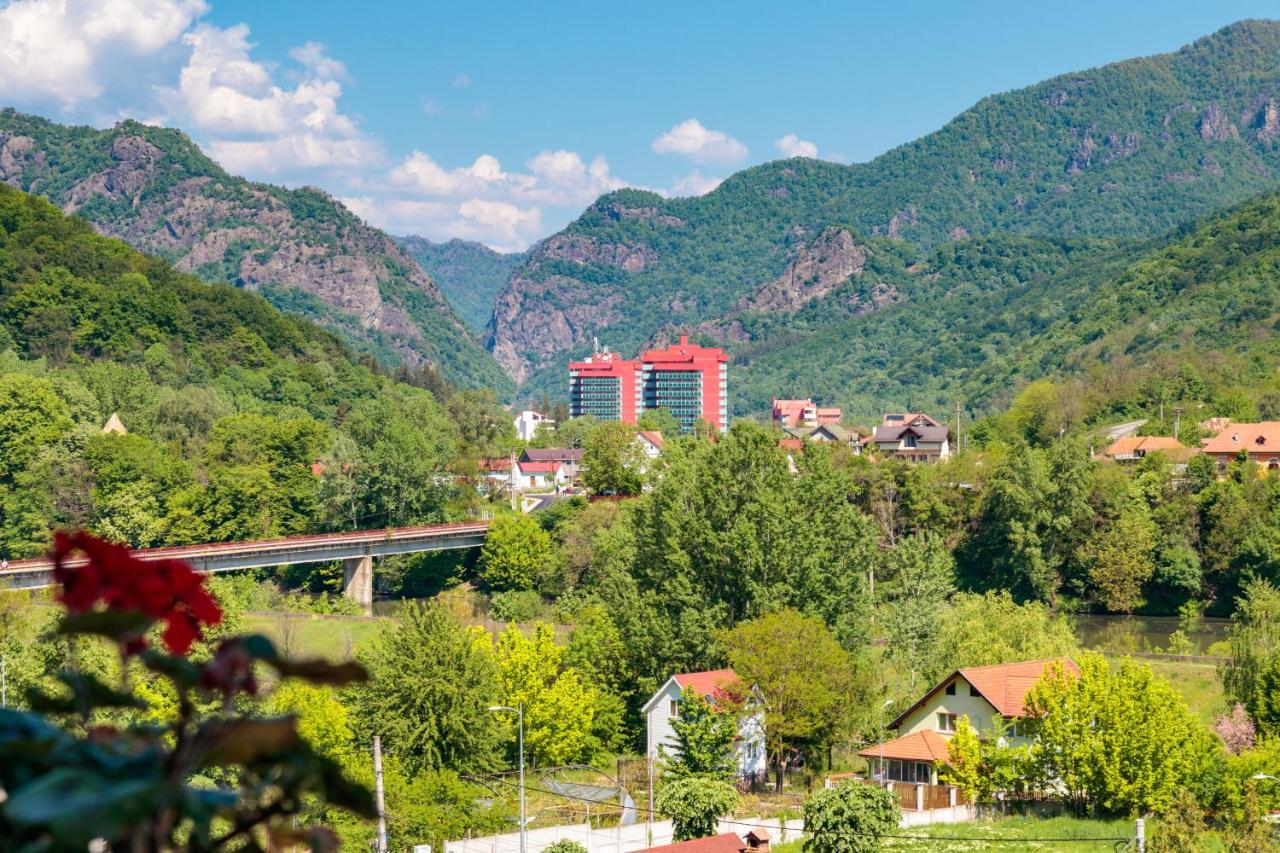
(1123, 634)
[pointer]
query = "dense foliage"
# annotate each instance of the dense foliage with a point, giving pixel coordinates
(469, 274)
(242, 422)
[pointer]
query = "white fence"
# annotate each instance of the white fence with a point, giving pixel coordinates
(618, 839)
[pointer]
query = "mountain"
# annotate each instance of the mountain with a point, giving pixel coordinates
(1119, 153)
(470, 274)
(301, 249)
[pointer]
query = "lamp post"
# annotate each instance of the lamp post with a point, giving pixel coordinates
(883, 775)
(518, 710)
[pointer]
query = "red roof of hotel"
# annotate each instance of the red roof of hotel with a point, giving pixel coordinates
(683, 352)
(1004, 685)
(926, 745)
(729, 842)
(707, 683)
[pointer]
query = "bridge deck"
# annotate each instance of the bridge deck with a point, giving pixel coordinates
(322, 547)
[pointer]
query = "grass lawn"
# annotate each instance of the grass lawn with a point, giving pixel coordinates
(1012, 833)
(304, 636)
(1196, 682)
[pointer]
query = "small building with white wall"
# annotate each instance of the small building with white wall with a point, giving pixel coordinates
(527, 423)
(664, 706)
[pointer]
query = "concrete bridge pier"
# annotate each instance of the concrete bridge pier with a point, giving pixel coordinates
(357, 580)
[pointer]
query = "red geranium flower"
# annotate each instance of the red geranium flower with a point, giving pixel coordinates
(166, 590)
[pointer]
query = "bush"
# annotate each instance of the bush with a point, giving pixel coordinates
(695, 803)
(565, 846)
(515, 606)
(850, 818)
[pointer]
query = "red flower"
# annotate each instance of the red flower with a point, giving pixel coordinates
(166, 590)
(231, 669)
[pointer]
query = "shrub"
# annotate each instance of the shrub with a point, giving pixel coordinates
(850, 818)
(565, 846)
(695, 803)
(522, 605)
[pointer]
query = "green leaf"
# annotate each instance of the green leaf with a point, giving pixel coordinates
(318, 839)
(87, 694)
(260, 647)
(117, 625)
(243, 741)
(77, 805)
(319, 671)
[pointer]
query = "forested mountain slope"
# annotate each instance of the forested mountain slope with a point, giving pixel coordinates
(470, 274)
(229, 404)
(302, 249)
(1126, 151)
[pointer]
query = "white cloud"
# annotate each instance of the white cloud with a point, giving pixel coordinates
(64, 50)
(694, 183)
(432, 107)
(462, 81)
(503, 226)
(700, 144)
(554, 177)
(313, 56)
(793, 146)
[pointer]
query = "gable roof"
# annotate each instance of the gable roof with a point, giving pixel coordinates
(652, 436)
(706, 684)
(1132, 444)
(728, 842)
(539, 467)
(1003, 685)
(837, 432)
(1261, 437)
(928, 433)
(904, 418)
(114, 425)
(551, 454)
(496, 463)
(925, 745)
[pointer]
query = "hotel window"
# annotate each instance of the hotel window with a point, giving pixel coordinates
(946, 722)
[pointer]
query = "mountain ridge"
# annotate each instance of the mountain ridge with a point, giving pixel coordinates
(300, 248)
(1127, 150)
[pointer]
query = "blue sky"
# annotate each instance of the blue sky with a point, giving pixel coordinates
(501, 121)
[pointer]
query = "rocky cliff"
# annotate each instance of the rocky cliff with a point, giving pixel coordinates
(301, 248)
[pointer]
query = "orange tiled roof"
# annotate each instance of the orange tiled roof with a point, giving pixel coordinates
(729, 842)
(1257, 438)
(791, 444)
(1005, 685)
(926, 745)
(653, 437)
(707, 683)
(1131, 444)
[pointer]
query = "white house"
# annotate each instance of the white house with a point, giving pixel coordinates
(527, 423)
(663, 706)
(650, 442)
(533, 476)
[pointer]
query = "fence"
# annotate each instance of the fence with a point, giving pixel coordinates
(615, 839)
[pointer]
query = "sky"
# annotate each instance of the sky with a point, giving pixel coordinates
(500, 122)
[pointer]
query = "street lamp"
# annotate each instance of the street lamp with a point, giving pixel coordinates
(883, 734)
(1261, 776)
(518, 710)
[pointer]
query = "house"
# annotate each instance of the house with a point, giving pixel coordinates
(1131, 448)
(495, 472)
(728, 842)
(981, 693)
(804, 413)
(1261, 441)
(650, 441)
(527, 423)
(569, 457)
(538, 476)
(713, 686)
(114, 425)
(912, 436)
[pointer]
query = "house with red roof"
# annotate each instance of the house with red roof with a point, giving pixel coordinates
(727, 842)
(650, 441)
(717, 686)
(981, 693)
(537, 475)
(1260, 442)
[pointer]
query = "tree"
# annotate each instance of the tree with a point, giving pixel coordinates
(802, 672)
(612, 461)
(515, 554)
(920, 578)
(431, 683)
(976, 630)
(1181, 826)
(1121, 741)
(1119, 558)
(849, 818)
(1236, 729)
(695, 803)
(32, 416)
(660, 420)
(704, 739)
(564, 846)
(1254, 645)
(559, 706)
(1248, 832)
(982, 764)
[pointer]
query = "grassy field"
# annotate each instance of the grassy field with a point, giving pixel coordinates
(1013, 833)
(303, 635)
(1196, 682)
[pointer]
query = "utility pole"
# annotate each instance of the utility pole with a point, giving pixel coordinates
(518, 710)
(377, 786)
(1140, 840)
(959, 413)
(1177, 420)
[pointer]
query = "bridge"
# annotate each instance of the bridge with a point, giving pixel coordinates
(357, 550)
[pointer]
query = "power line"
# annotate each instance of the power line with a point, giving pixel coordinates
(750, 825)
